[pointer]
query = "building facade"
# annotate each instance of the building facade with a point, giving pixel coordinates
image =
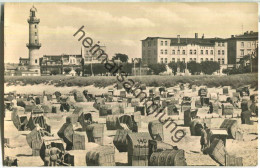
(241, 45)
(166, 50)
(55, 64)
(10, 69)
(92, 58)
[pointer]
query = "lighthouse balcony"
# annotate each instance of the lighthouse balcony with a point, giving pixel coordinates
(33, 20)
(33, 45)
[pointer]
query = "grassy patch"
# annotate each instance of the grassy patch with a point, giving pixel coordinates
(234, 81)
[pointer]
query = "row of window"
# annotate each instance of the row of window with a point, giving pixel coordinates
(193, 52)
(219, 52)
(242, 52)
(96, 54)
(221, 44)
(221, 61)
(73, 61)
(165, 43)
(165, 60)
(248, 44)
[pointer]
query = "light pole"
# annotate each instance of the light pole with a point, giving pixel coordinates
(91, 68)
(118, 60)
(134, 65)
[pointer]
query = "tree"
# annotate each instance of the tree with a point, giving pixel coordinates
(67, 70)
(181, 65)
(255, 61)
(175, 65)
(194, 67)
(250, 62)
(127, 68)
(157, 68)
(226, 71)
(87, 69)
(121, 57)
(208, 67)
(99, 69)
(78, 70)
(54, 72)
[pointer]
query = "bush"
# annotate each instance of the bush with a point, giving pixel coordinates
(78, 70)
(170, 81)
(97, 69)
(67, 70)
(226, 71)
(157, 68)
(54, 72)
(127, 67)
(175, 65)
(208, 67)
(194, 67)
(121, 57)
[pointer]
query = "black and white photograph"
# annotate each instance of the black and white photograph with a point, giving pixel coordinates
(130, 84)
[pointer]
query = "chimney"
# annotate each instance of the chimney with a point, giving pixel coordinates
(196, 35)
(202, 36)
(178, 37)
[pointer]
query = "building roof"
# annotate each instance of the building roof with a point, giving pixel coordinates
(185, 41)
(62, 56)
(26, 59)
(246, 36)
(67, 56)
(28, 72)
(9, 66)
(207, 41)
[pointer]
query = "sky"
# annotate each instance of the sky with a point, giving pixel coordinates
(121, 26)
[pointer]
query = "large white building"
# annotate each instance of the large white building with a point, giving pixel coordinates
(165, 50)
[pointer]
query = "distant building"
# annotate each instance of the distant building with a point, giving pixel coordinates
(24, 61)
(23, 64)
(18, 70)
(166, 50)
(55, 64)
(89, 57)
(10, 69)
(241, 45)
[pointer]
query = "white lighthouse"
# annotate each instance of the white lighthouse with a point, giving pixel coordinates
(34, 45)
